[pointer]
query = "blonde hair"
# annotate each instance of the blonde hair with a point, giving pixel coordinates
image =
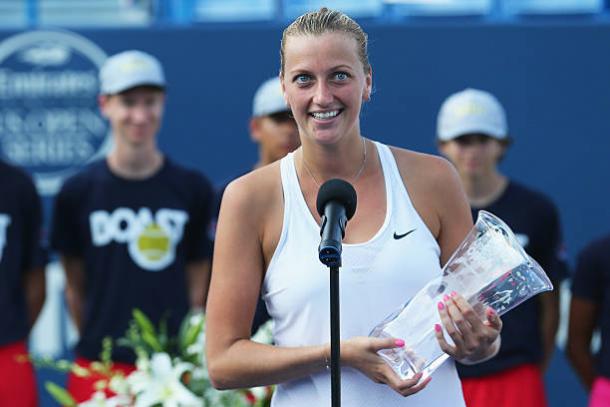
(324, 21)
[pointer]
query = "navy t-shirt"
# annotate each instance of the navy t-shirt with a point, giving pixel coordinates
(535, 221)
(591, 282)
(20, 248)
(135, 238)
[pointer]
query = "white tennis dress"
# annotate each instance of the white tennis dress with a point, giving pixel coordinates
(377, 276)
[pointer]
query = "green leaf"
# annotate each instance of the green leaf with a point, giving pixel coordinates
(143, 322)
(152, 341)
(60, 394)
(124, 342)
(163, 336)
(106, 354)
(184, 326)
(191, 335)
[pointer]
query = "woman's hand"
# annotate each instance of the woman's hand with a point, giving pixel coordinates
(361, 353)
(474, 340)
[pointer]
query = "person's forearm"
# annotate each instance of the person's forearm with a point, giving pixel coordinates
(549, 323)
(74, 302)
(548, 344)
(583, 364)
(35, 293)
(250, 364)
(198, 283)
(74, 291)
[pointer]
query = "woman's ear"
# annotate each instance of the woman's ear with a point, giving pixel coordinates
(368, 88)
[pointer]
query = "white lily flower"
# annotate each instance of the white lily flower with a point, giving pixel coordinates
(259, 393)
(99, 399)
(161, 384)
(225, 398)
(142, 362)
(119, 385)
(196, 318)
(264, 333)
(198, 347)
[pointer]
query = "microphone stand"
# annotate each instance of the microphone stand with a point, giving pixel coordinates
(335, 348)
(336, 203)
(333, 260)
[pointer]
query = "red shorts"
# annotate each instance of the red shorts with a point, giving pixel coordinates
(600, 393)
(520, 386)
(17, 378)
(82, 388)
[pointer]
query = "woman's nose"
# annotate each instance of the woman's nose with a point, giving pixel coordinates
(323, 95)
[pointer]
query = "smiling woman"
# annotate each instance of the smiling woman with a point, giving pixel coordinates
(269, 217)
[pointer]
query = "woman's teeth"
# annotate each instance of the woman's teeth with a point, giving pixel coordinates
(325, 115)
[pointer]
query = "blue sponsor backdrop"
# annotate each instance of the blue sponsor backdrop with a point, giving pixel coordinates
(553, 77)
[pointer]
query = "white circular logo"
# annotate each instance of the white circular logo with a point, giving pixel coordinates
(152, 248)
(49, 120)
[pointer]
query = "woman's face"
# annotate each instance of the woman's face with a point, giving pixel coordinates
(325, 84)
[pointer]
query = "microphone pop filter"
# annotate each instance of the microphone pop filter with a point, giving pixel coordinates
(340, 191)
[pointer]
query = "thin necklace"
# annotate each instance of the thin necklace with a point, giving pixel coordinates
(356, 176)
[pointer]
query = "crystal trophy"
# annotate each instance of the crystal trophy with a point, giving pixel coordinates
(489, 269)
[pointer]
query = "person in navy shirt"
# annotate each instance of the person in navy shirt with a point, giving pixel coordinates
(590, 310)
(22, 283)
(472, 133)
(131, 230)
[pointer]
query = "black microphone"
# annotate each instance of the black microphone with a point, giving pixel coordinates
(336, 204)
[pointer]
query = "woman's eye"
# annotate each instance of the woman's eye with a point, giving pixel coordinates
(341, 76)
(302, 79)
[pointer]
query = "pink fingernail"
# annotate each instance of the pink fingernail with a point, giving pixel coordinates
(399, 342)
(446, 298)
(437, 327)
(441, 306)
(453, 294)
(491, 312)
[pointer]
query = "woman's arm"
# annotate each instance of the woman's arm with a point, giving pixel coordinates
(441, 201)
(474, 340)
(233, 359)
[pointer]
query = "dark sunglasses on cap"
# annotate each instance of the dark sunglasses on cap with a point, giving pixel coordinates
(281, 117)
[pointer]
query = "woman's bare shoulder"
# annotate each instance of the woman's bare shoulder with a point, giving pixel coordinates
(433, 185)
(254, 203)
(429, 168)
(254, 192)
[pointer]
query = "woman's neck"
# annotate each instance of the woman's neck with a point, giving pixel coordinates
(323, 162)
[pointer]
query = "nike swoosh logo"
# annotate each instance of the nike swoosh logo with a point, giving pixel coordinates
(397, 236)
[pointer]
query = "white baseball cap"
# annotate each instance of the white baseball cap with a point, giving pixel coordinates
(471, 111)
(269, 98)
(129, 69)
